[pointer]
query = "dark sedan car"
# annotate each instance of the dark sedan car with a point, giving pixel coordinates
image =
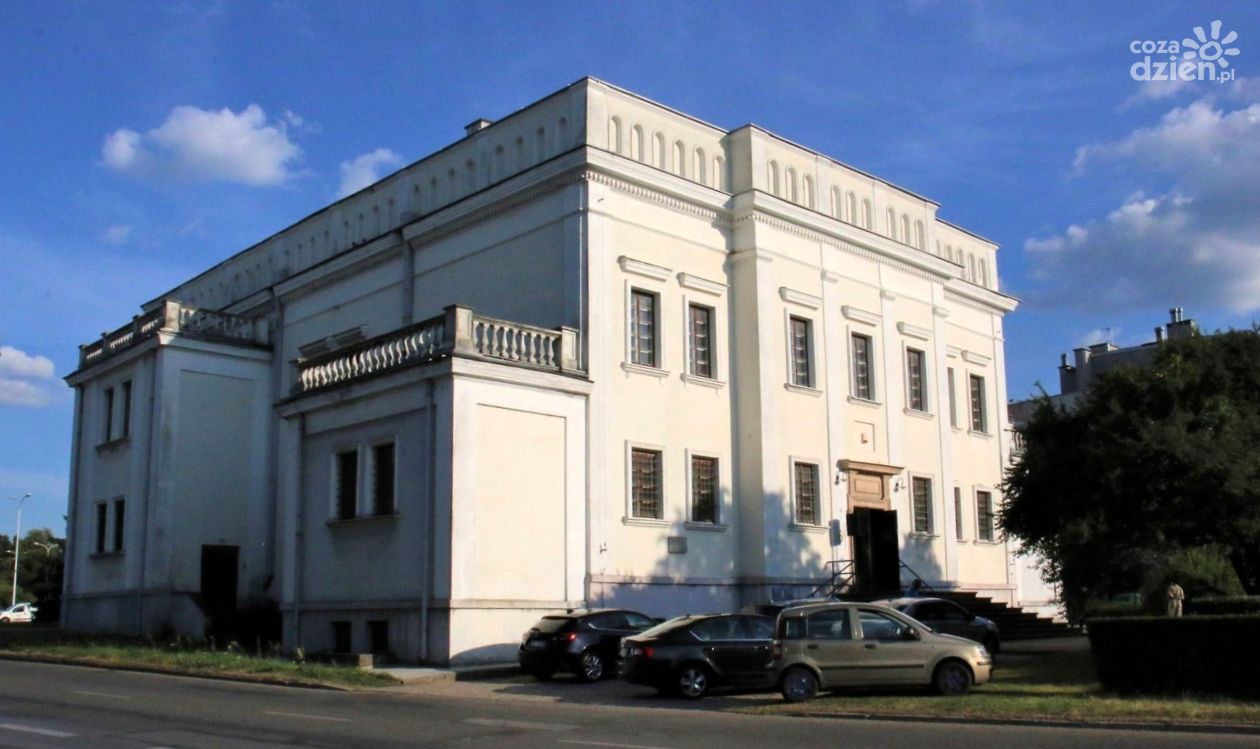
(692, 654)
(943, 615)
(584, 642)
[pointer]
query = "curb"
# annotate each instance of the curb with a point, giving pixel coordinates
(489, 671)
(1113, 725)
(242, 679)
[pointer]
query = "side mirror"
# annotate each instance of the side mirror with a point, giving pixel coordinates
(910, 633)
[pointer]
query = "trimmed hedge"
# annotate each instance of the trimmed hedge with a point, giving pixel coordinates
(1224, 605)
(1162, 655)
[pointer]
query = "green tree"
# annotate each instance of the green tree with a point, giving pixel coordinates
(40, 571)
(1150, 462)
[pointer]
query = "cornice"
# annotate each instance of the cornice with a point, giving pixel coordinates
(701, 284)
(800, 297)
(860, 315)
(653, 195)
(640, 268)
(914, 331)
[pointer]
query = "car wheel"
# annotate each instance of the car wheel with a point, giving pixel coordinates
(542, 674)
(952, 678)
(799, 684)
(693, 681)
(591, 667)
(990, 643)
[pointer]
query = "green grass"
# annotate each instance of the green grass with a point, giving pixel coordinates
(1052, 686)
(181, 658)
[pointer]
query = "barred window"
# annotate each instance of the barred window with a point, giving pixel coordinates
(120, 521)
(643, 328)
(917, 392)
(704, 494)
(700, 337)
(102, 518)
(862, 385)
(383, 479)
(979, 417)
(985, 520)
(921, 497)
(807, 510)
(645, 484)
(800, 330)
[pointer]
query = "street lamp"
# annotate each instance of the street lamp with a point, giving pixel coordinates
(17, 545)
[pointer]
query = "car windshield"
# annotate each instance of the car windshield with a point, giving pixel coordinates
(552, 623)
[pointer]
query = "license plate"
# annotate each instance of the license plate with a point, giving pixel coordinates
(536, 644)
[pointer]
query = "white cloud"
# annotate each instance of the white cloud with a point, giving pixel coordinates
(201, 144)
(1191, 237)
(116, 234)
(17, 363)
(1149, 91)
(362, 171)
(22, 393)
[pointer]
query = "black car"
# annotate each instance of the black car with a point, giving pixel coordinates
(692, 654)
(943, 615)
(584, 642)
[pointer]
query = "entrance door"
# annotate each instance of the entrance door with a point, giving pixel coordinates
(218, 588)
(876, 559)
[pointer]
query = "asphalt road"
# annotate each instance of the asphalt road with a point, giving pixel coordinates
(65, 706)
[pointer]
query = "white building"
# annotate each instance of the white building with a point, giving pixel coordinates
(689, 368)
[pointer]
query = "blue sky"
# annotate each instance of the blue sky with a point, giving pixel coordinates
(143, 142)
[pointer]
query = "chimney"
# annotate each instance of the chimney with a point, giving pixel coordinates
(477, 125)
(1159, 334)
(1067, 375)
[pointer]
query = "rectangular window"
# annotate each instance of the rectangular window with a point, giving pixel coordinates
(341, 637)
(917, 391)
(126, 409)
(109, 414)
(383, 479)
(958, 512)
(378, 636)
(979, 418)
(700, 340)
(102, 519)
(645, 484)
(643, 328)
(863, 386)
(120, 522)
(953, 399)
(807, 510)
(347, 484)
(921, 496)
(984, 516)
(704, 493)
(800, 332)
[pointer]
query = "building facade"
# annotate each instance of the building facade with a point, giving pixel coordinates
(595, 353)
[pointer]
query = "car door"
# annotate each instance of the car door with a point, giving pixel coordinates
(754, 659)
(609, 627)
(889, 656)
(726, 647)
(953, 619)
(829, 645)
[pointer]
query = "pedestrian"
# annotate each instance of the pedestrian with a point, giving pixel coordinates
(1175, 598)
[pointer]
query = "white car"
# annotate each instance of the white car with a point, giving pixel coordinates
(21, 612)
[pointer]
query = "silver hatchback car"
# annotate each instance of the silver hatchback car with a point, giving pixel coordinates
(832, 645)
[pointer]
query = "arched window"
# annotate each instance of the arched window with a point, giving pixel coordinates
(890, 218)
(772, 177)
(905, 228)
(658, 151)
(500, 162)
(562, 134)
(680, 159)
(697, 166)
(920, 240)
(808, 188)
(789, 184)
(719, 172)
(636, 143)
(614, 135)
(850, 209)
(938, 248)
(520, 153)
(868, 217)
(971, 267)
(540, 144)
(835, 202)
(984, 273)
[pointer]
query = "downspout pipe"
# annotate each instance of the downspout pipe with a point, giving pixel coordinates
(146, 524)
(299, 535)
(427, 520)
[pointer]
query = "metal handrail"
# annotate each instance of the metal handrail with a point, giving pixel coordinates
(840, 580)
(923, 584)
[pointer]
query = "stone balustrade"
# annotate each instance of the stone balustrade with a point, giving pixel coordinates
(175, 318)
(458, 332)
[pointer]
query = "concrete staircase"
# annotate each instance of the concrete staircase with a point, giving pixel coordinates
(1013, 623)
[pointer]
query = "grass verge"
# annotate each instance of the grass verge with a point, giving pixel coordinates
(1052, 686)
(122, 652)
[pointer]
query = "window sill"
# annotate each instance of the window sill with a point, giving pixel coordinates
(815, 392)
(807, 528)
(982, 542)
(106, 555)
(864, 402)
(707, 382)
(646, 522)
(693, 525)
(363, 520)
(975, 433)
(921, 536)
(113, 444)
(644, 370)
(919, 414)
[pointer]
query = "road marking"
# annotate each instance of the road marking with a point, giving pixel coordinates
(39, 731)
(307, 717)
(493, 723)
(609, 744)
(101, 694)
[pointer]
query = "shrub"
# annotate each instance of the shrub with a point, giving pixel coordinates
(1224, 605)
(1209, 654)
